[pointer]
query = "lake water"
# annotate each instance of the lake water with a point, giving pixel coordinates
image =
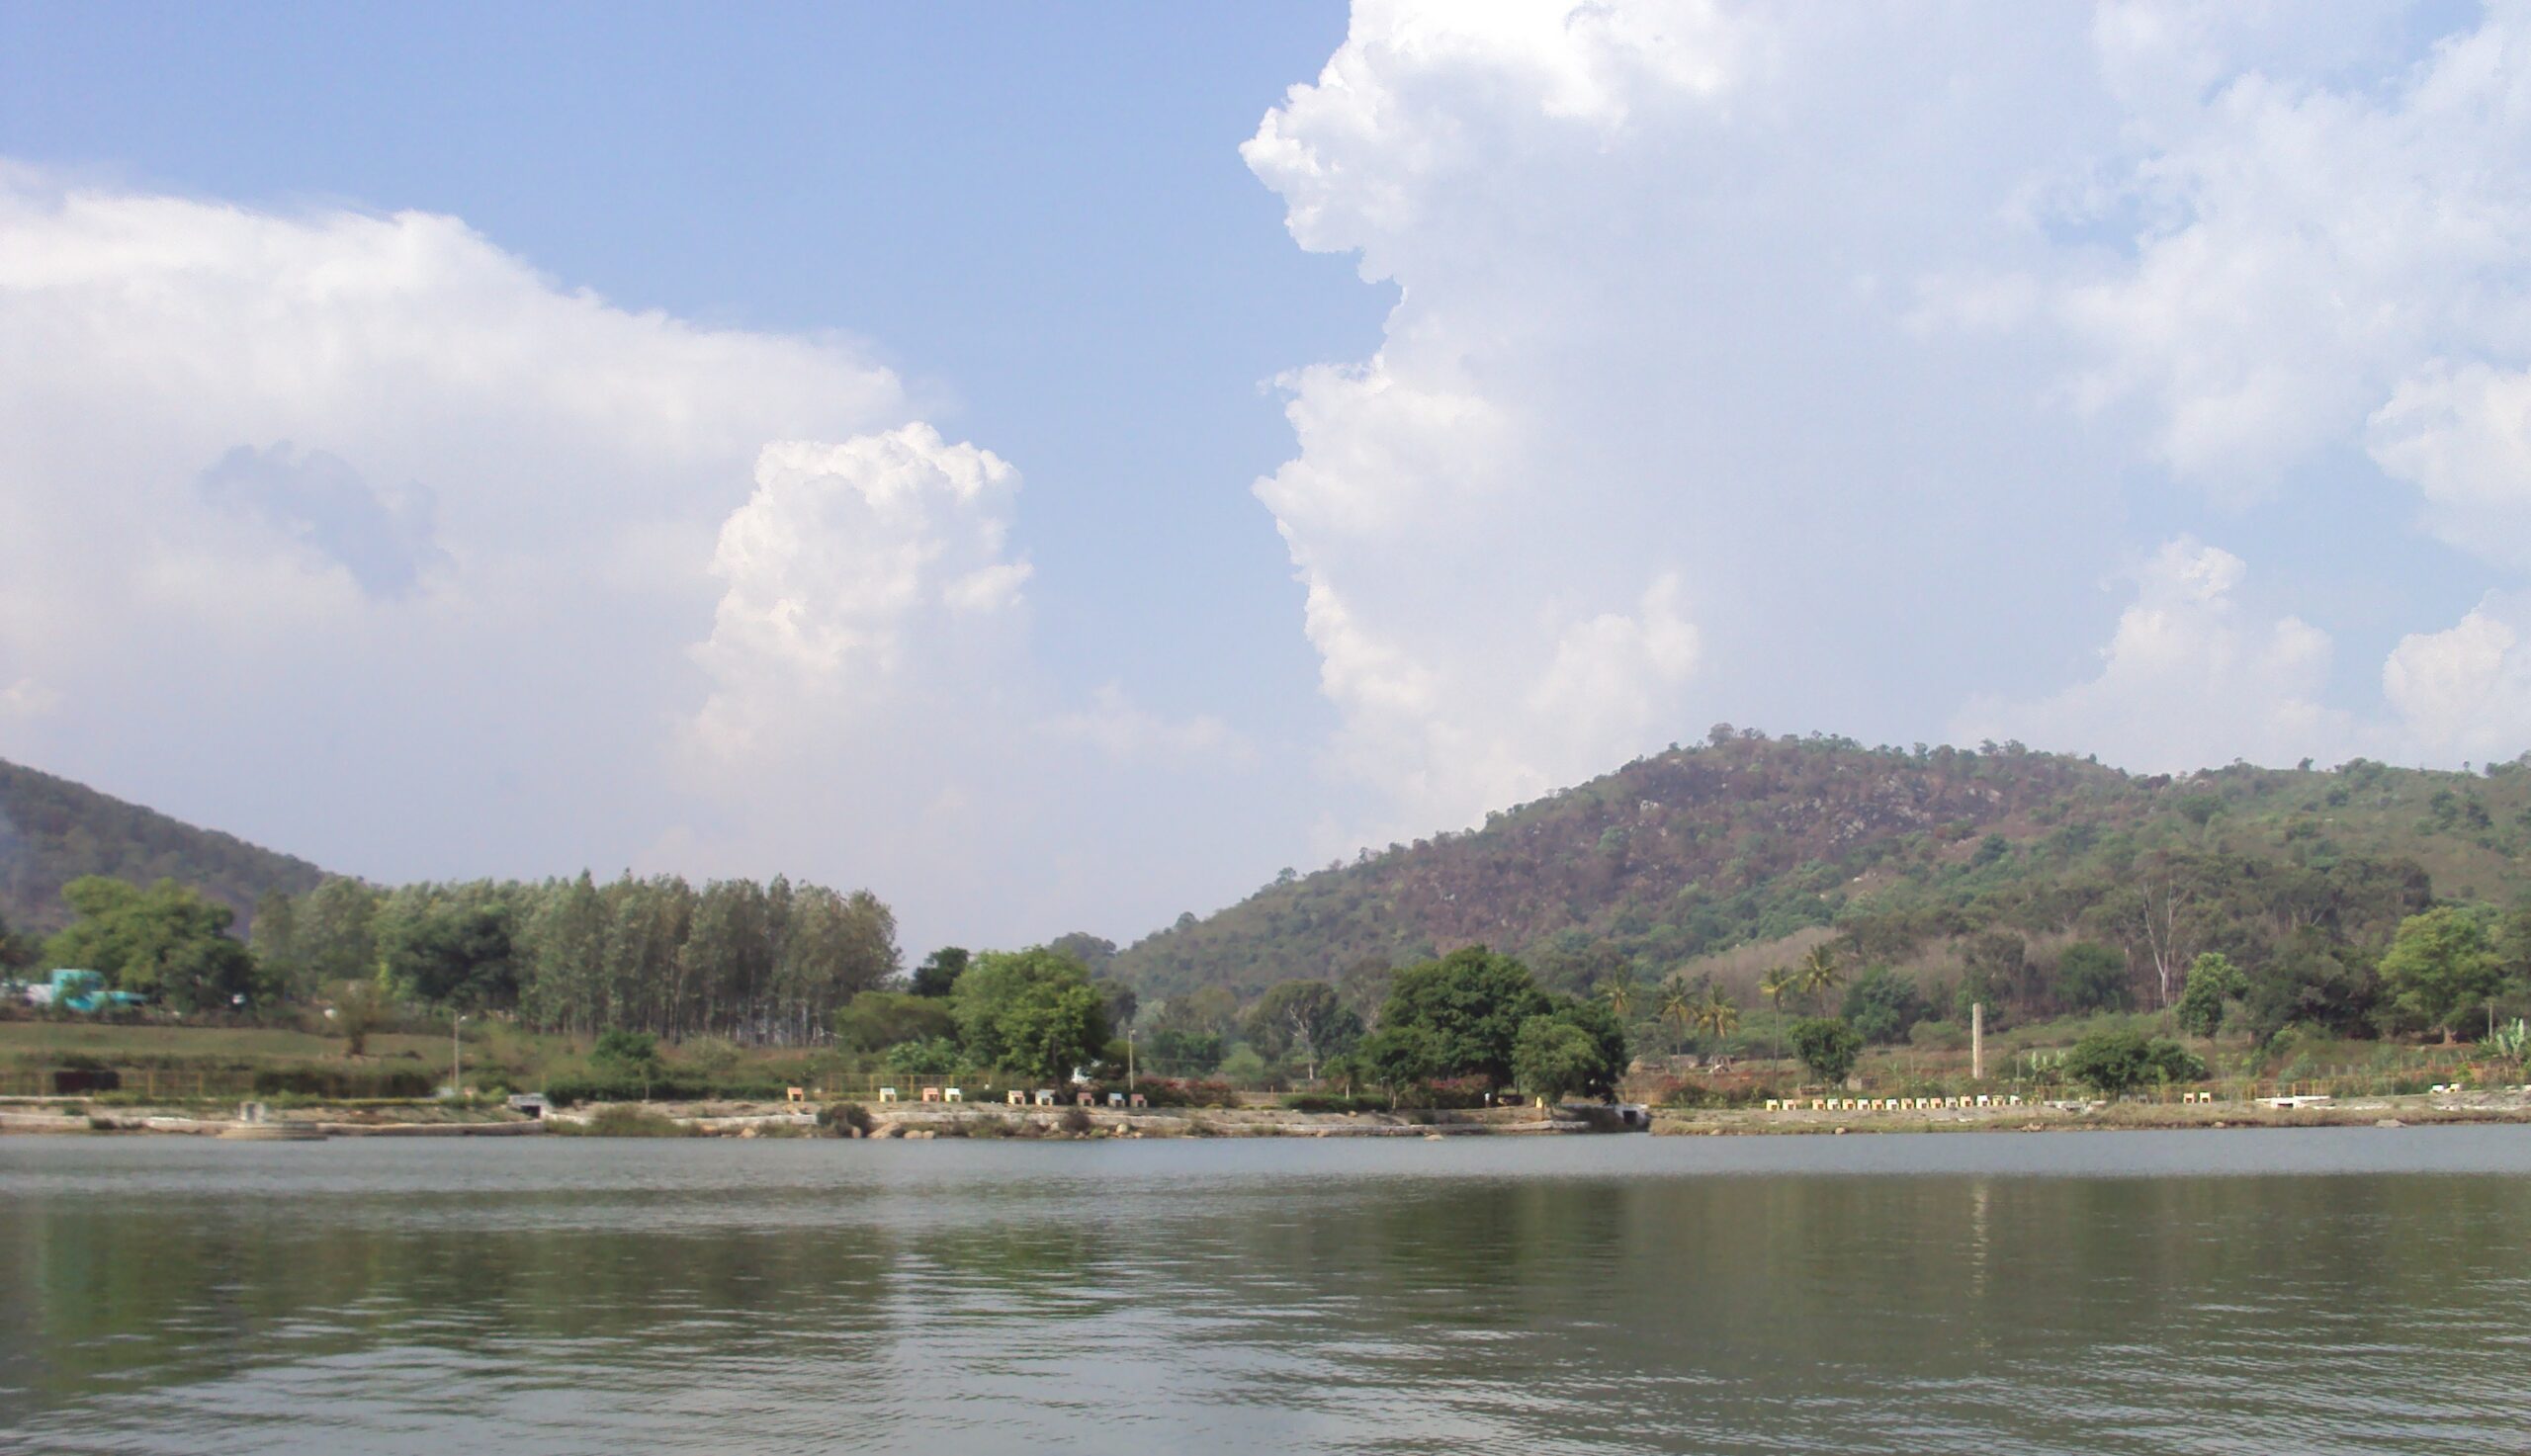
(2316, 1291)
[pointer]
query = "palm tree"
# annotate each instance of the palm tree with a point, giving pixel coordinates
(1819, 974)
(1678, 1011)
(1778, 984)
(1716, 1013)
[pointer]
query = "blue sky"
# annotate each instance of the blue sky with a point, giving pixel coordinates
(1037, 215)
(1057, 465)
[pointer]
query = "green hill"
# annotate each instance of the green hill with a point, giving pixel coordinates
(53, 831)
(1939, 863)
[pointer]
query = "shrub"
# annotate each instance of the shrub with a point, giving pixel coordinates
(1827, 1045)
(1938, 1036)
(1179, 1092)
(2120, 1061)
(841, 1115)
(670, 1087)
(344, 1084)
(1075, 1119)
(1692, 1093)
(73, 1081)
(1333, 1102)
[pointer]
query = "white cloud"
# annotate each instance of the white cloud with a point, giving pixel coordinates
(2463, 437)
(2306, 238)
(1128, 733)
(2465, 693)
(2189, 679)
(849, 569)
(385, 518)
(1655, 388)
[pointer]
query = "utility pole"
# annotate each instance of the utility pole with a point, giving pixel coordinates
(1977, 1041)
(1129, 1061)
(456, 1059)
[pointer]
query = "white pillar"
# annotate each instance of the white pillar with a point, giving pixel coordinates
(1977, 1041)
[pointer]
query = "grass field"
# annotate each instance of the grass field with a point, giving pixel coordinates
(43, 1040)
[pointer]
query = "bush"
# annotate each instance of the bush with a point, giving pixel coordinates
(1688, 1093)
(842, 1115)
(1882, 1005)
(1333, 1102)
(669, 1086)
(1075, 1119)
(1938, 1036)
(1827, 1045)
(1179, 1092)
(344, 1084)
(2120, 1061)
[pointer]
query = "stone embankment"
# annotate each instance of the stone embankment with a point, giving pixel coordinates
(2073, 1116)
(917, 1121)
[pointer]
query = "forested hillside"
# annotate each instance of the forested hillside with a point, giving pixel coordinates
(53, 831)
(1953, 868)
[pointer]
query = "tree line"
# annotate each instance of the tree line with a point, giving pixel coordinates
(768, 962)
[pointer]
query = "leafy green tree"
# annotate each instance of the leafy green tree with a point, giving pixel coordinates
(272, 939)
(358, 1012)
(2313, 980)
(166, 942)
(1882, 1005)
(2213, 980)
(1245, 1066)
(630, 1056)
(1031, 1011)
(1123, 1002)
(1095, 953)
(1303, 1019)
(1174, 1051)
(2091, 977)
(333, 937)
(2440, 967)
(17, 951)
(1398, 1058)
(1554, 1058)
(1828, 1047)
(931, 1057)
(566, 957)
(2120, 1061)
(1474, 1003)
(876, 1020)
(1576, 1050)
(448, 948)
(938, 973)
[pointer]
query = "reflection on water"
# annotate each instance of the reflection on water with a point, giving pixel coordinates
(2347, 1291)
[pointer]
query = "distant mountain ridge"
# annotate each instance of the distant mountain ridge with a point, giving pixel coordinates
(53, 830)
(1747, 840)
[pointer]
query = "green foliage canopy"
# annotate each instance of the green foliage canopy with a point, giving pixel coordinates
(2439, 967)
(1031, 1011)
(2213, 980)
(1474, 1003)
(167, 943)
(938, 973)
(1883, 1005)
(1827, 1045)
(876, 1020)
(2120, 1061)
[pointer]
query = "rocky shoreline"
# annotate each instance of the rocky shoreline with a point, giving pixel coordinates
(2424, 1110)
(931, 1120)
